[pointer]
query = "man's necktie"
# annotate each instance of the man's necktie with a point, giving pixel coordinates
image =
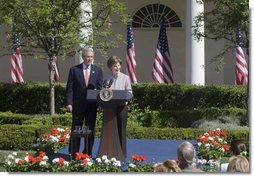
(87, 76)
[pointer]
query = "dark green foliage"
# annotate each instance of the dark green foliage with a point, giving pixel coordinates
(17, 137)
(32, 98)
(182, 97)
(10, 118)
(21, 137)
(21, 119)
(157, 111)
(185, 118)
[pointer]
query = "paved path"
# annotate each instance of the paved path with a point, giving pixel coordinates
(154, 150)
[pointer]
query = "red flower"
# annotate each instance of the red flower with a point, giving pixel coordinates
(136, 158)
(215, 143)
(81, 156)
(61, 161)
(42, 154)
(66, 132)
(62, 139)
(54, 130)
(30, 158)
(46, 135)
(223, 134)
(20, 162)
(84, 162)
(226, 147)
(143, 157)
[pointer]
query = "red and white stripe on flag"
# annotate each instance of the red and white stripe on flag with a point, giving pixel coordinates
(55, 67)
(162, 68)
(130, 56)
(17, 75)
(241, 68)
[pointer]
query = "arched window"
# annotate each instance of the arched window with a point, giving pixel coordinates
(150, 16)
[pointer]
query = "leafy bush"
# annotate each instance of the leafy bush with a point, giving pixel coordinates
(224, 122)
(20, 137)
(10, 118)
(184, 118)
(33, 98)
(213, 145)
(183, 96)
(30, 98)
(51, 142)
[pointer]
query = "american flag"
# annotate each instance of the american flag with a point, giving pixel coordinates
(130, 57)
(55, 67)
(162, 68)
(241, 68)
(54, 62)
(17, 75)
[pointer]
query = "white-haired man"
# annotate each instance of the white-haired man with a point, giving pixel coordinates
(186, 156)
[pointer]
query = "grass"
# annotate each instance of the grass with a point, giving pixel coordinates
(5, 153)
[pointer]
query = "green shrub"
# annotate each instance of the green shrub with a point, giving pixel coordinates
(21, 137)
(184, 118)
(181, 96)
(230, 124)
(43, 119)
(33, 98)
(30, 98)
(10, 118)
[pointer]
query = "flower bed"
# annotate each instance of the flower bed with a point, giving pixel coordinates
(82, 163)
(212, 146)
(51, 142)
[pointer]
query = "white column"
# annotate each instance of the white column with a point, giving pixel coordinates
(195, 52)
(86, 32)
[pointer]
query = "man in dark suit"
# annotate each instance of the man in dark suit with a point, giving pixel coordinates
(81, 78)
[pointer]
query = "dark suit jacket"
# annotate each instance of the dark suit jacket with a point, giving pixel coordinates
(77, 89)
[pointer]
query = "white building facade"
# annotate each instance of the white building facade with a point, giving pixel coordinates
(191, 60)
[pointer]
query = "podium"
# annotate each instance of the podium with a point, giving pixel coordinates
(109, 141)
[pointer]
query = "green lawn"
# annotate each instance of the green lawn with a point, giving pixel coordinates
(5, 153)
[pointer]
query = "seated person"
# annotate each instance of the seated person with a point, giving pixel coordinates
(237, 147)
(238, 164)
(167, 166)
(186, 155)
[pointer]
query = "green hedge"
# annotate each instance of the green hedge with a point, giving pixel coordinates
(21, 137)
(10, 118)
(30, 98)
(181, 96)
(185, 118)
(20, 119)
(33, 98)
(147, 118)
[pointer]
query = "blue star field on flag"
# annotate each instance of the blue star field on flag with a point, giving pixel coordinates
(239, 38)
(129, 36)
(163, 41)
(16, 42)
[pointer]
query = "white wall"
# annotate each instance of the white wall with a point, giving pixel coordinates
(145, 41)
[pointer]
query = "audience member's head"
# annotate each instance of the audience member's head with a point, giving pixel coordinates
(186, 154)
(160, 168)
(237, 147)
(172, 166)
(167, 166)
(238, 164)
